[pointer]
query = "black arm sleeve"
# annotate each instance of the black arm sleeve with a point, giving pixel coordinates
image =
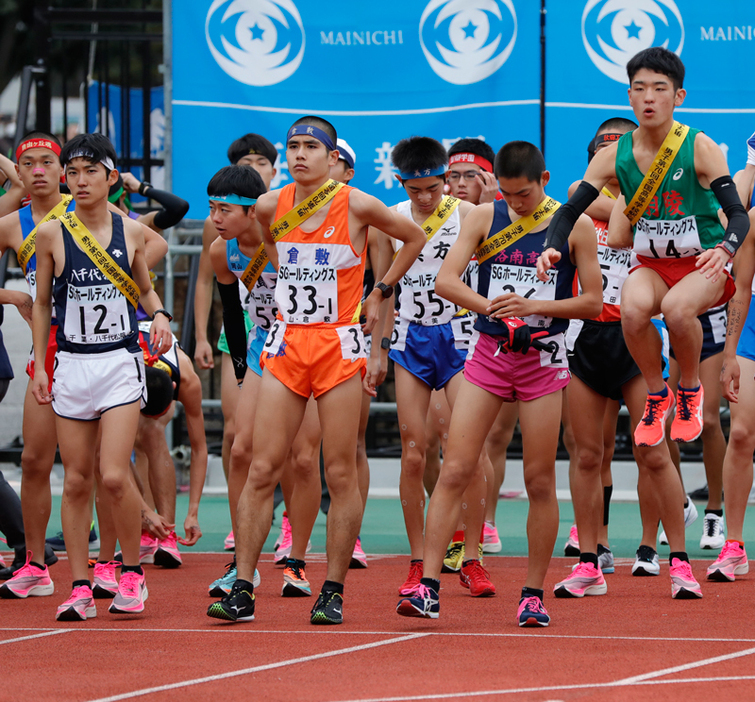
(174, 208)
(235, 330)
(739, 223)
(567, 216)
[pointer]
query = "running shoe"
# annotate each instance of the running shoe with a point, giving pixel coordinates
(652, 427)
(605, 560)
(713, 532)
(688, 423)
(732, 561)
(683, 583)
(531, 612)
(230, 542)
(78, 607)
(147, 548)
(646, 563)
(328, 609)
(477, 579)
(131, 596)
(28, 581)
(424, 603)
(222, 586)
(58, 542)
(282, 547)
(105, 583)
(167, 554)
(491, 543)
(236, 606)
(690, 515)
(295, 583)
(454, 557)
(571, 547)
(358, 557)
(412, 582)
(585, 579)
(2, 561)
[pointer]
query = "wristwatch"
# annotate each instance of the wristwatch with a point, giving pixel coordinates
(163, 312)
(385, 343)
(385, 290)
(143, 187)
(728, 247)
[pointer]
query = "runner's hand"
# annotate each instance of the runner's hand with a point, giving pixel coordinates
(160, 335)
(712, 262)
(370, 380)
(193, 532)
(157, 526)
(545, 261)
(203, 355)
(39, 386)
(488, 187)
(509, 305)
(730, 373)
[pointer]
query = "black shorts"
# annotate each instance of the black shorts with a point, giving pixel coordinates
(601, 359)
(713, 323)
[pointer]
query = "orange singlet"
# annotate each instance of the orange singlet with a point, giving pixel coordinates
(317, 342)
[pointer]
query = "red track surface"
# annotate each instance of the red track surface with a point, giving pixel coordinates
(634, 642)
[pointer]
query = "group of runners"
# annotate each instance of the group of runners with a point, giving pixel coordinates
(496, 304)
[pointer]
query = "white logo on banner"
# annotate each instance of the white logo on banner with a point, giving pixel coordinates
(256, 42)
(465, 41)
(615, 30)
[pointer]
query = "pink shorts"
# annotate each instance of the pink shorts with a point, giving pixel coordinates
(514, 376)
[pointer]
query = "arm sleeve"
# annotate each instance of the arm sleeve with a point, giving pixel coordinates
(568, 214)
(233, 323)
(738, 221)
(173, 210)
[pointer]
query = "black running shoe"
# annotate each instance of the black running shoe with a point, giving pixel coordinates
(328, 609)
(236, 606)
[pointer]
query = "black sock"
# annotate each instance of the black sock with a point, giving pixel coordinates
(431, 583)
(686, 503)
(132, 569)
(332, 586)
(103, 562)
(717, 512)
(464, 564)
(532, 592)
(245, 584)
(681, 555)
(36, 565)
(603, 549)
(607, 492)
(416, 560)
(588, 558)
(82, 583)
(295, 562)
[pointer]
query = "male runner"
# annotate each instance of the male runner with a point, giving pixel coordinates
(315, 233)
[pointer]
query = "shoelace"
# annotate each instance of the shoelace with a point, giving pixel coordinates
(533, 604)
(730, 550)
(455, 550)
(711, 524)
(683, 406)
(131, 585)
(79, 593)
(477, 571)
(652, 408)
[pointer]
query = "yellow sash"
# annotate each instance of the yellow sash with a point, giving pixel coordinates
(652, 180)
(30, 243)
(303, 211)
(608, 193)
(442, 212)
(100, 257)
(516, 230)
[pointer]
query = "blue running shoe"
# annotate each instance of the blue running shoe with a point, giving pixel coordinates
(222, 586)
(423, 603)
(532, 613)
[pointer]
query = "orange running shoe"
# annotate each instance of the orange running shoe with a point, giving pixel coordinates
(688, 423)
(652, 428)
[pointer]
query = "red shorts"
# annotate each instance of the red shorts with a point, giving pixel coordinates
(672, 270)
(313, 360)
(52, 349)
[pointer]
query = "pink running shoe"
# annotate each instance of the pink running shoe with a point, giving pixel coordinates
(683, 583)
(284, 541)
(732, 561)
(412, 582)
(571, 547)
(167, 554)
(490, 541)
(147, 548)
(230, 542)
(585, 579)
(78, 607)
(131, 595)
(358, 558)
(28, 581)
(105, 583)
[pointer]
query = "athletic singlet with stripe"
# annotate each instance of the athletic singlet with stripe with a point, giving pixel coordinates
(167, 361)
(320, 276)
(514, 270)
(681, 220)
(93, 315)
(27, 226)
(260, 302)
(417, 300)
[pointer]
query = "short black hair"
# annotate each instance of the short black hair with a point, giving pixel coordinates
(320, 123)
(473, 146)
(613, 125)
(418, 153)
(519, 158)
(252, 144)
(159, 391)
(93, 147)
(659, 60)
(237, 180)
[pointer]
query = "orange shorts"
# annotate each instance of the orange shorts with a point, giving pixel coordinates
(672, 270)
(313, 360)
(52, 349)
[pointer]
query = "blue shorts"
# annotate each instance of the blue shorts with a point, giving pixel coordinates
(713, 323)
(746, 345)
(258, 337)
(429, 353)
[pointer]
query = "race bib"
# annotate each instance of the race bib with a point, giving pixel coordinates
(420, 303)
(667, 238)
(352, 343)
(274, 338)
(718, 325)
(96, 314)
(556, 355)
(398, 335)
(523, 281)
(463, 329)
(614, 267)
(261, 302)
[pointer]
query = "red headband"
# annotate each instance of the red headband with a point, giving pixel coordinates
(472, 158)
(37, 144)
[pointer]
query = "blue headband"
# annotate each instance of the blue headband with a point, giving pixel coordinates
(424, 173)
(308, 130)
(234, 199)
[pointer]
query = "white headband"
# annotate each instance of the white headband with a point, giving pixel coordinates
(107, 162)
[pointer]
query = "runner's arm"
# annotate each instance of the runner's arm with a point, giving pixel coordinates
(42, 311)
(11, 200)
(600, 209)
(620, 234)
(21, 300)
(203, 299)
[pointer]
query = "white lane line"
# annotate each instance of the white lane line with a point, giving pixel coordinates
(257, 669)
(36, 636)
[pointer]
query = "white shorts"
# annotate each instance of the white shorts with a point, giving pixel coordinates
(86, 385)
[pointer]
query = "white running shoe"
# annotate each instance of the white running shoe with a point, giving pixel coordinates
(713, 532)
(690, 515)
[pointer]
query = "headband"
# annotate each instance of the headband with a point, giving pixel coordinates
(114, 197)
(308, 130)
(37, 144)
(424, 173)
(233, 199)
(89, 156)
(608, 138)
(471, 158)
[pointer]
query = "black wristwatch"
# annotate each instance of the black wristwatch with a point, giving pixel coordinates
(728, 247)
(385, 343)
(385, 290)
(163, 312)
(143, 187)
